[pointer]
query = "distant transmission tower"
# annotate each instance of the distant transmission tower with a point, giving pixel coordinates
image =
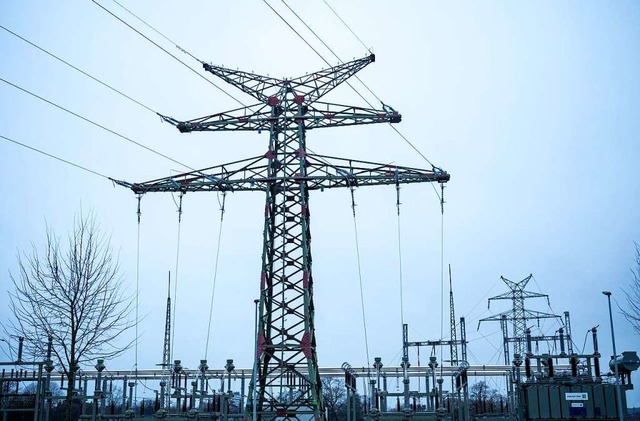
(518, 315)
(288, 382)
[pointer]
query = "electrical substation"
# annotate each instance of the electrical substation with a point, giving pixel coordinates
(540, 386)
(286, 379)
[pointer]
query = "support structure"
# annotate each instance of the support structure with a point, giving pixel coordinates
(518, 315)
(287, 109)
(165, 396)
(452, 323)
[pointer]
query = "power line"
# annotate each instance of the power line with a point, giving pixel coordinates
(297, 33)
(95, 124)
(334, 54)
(364, 318)
(345, 24)
(54, 157)
(167, 52)
(310, 46)
(80, 70)
(157, 32)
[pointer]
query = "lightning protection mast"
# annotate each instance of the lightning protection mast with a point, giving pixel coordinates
(287, 382)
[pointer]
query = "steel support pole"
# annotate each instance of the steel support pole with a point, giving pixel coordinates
(615, 355)
(254, 403)
(348, 403)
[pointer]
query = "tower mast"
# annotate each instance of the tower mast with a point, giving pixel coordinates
(518, 315)
(452, 323)
(166, 347)
(287, 109)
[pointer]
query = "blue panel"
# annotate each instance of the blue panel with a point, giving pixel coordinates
(577, 412)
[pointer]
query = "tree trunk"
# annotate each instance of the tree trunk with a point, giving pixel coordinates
(69, 400)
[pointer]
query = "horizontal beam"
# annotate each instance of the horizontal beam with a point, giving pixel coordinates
(322, 172)
(238, 373)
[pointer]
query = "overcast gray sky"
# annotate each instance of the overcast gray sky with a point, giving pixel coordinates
(531, 106)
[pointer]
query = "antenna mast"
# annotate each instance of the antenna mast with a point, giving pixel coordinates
(452, 323)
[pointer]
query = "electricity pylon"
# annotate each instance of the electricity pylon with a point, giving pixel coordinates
(287, 382)
(518, 315)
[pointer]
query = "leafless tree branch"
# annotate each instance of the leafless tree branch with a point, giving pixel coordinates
(632, 295)
(75, 296)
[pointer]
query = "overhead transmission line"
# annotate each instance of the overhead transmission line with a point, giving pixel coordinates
(310, 46)
(8, 139)
(364, 318)
(166, 51)
(128, 139)
(345, 24)
(106, 85)
(156, 31)
(332, 52)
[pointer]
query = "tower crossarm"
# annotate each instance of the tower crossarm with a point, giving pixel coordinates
(324, 114)
(522, 294)
(323, 172)
(262, 117)
(250, 118)
(532, 314)
(315, 85)
(517, 285)
(528, 315)
(257, 86)
(311, 86)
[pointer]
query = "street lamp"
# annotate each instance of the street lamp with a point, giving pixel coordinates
(615, 355)
(254, 396)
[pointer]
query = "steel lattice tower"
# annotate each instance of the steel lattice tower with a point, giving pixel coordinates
(166, 347)
(288, 383)
(452, 323)
(518, 315)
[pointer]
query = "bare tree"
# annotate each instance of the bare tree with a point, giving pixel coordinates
(632, 295)
(73, 295)
(334, 397)
(484, 399)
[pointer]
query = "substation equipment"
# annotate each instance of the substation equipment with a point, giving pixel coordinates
(559, 386)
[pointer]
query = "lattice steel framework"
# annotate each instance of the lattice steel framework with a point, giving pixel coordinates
(452, 323)
(518, 315)
(166, 347)
(288, 383)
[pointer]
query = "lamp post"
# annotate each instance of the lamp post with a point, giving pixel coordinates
(615, 355)
(254, 403)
